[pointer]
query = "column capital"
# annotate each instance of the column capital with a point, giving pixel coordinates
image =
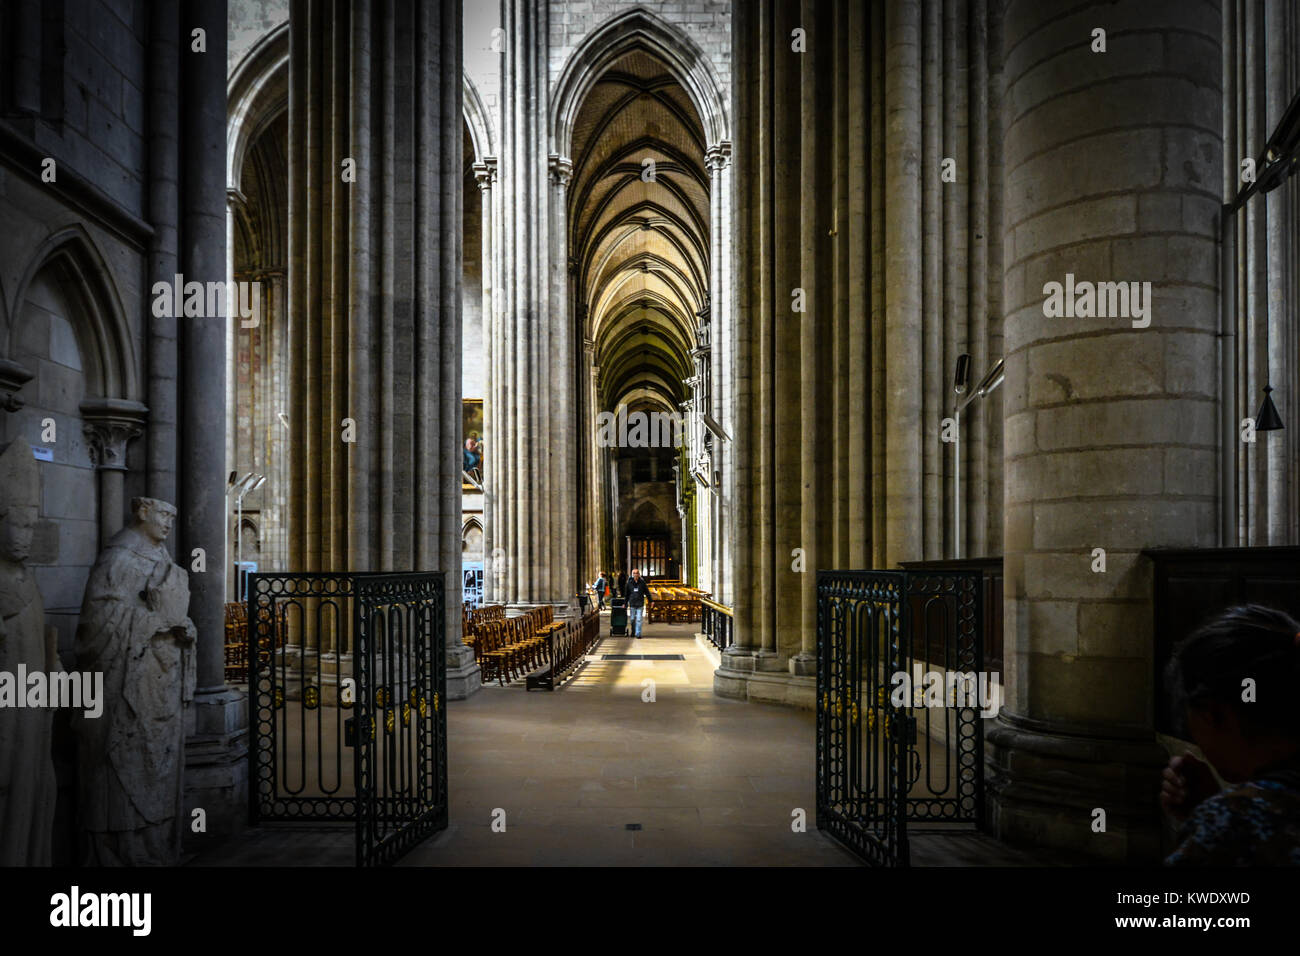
(484, 175)
(110, 424)
(718, 156)
(561, 169)
(12, 378)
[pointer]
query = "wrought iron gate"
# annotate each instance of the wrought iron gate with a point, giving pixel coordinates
(878, 769)
(349, 715)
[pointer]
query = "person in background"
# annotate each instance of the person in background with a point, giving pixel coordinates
(622, 584)
(600, 591)
(1232, 684)
(638, 601)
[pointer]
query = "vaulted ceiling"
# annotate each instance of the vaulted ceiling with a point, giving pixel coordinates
(640, 242)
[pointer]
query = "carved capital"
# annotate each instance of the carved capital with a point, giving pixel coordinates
(561, 169)
(110, 425)
(484, 175)
(718, 157)
(12, 378)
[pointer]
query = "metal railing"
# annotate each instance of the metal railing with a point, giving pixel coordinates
(876, 775)
(716, 624)
(349, 715)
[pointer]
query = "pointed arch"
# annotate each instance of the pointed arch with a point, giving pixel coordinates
(258, 93)
(478, 120)
(98, 318)
(638, 28)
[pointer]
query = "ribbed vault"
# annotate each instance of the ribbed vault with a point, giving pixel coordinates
(639, 221)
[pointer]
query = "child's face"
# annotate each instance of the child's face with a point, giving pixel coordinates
(1217, 731)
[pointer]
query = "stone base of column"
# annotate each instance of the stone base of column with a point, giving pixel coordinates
(732, 676)
(216, 765)
(1044, 788)
(464, 678)
(752, 678)
(804, 665)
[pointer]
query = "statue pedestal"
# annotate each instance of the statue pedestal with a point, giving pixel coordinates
(216, 764)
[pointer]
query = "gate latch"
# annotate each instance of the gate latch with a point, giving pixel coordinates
(350, 732)
(909, 729)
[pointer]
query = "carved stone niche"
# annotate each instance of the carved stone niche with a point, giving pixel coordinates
(12, 378)
(110, 424)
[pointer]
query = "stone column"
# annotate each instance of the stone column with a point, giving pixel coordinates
(563, 565)
(903, 293)
(594, 517)
(493, 477)
(723, 277)
(110, 424)
(784, 311)
(202, 508)
(375, 178)
(164, 158)
(216, 772)
(535, 354)
(738, 659)
(1110, 428)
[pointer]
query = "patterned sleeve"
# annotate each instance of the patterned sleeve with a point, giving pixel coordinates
(1218, 833)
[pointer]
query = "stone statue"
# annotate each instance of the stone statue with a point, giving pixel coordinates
(27, 784)
(135, 629)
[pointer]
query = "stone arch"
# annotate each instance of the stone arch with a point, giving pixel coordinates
(478, 120)
(638, 28)
(258, 93)
(99, 320)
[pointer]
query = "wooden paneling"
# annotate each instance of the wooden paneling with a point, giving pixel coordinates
(991, 571)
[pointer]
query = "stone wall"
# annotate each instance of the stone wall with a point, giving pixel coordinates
(707, 21)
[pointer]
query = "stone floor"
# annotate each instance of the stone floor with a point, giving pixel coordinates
(708, 781)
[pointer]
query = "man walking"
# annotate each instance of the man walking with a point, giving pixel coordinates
(600, 591)
(638, 600)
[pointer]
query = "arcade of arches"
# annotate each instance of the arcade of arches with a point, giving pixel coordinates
(554, 214)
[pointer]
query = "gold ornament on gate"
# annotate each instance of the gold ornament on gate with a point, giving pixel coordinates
(311, 697)
(390, 720)
(406, 715)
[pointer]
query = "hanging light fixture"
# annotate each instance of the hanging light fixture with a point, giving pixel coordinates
(1268, 420)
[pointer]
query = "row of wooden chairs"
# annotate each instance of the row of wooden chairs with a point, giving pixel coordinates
(508, 648)
(675, 603)
(472, 617)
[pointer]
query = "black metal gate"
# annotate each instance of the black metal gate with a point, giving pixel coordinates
(347, 685)
(878, 768)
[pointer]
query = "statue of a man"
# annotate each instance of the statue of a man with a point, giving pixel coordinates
(135, 629)
(27, 783)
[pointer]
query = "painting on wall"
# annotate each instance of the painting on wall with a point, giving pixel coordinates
(472, 453)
